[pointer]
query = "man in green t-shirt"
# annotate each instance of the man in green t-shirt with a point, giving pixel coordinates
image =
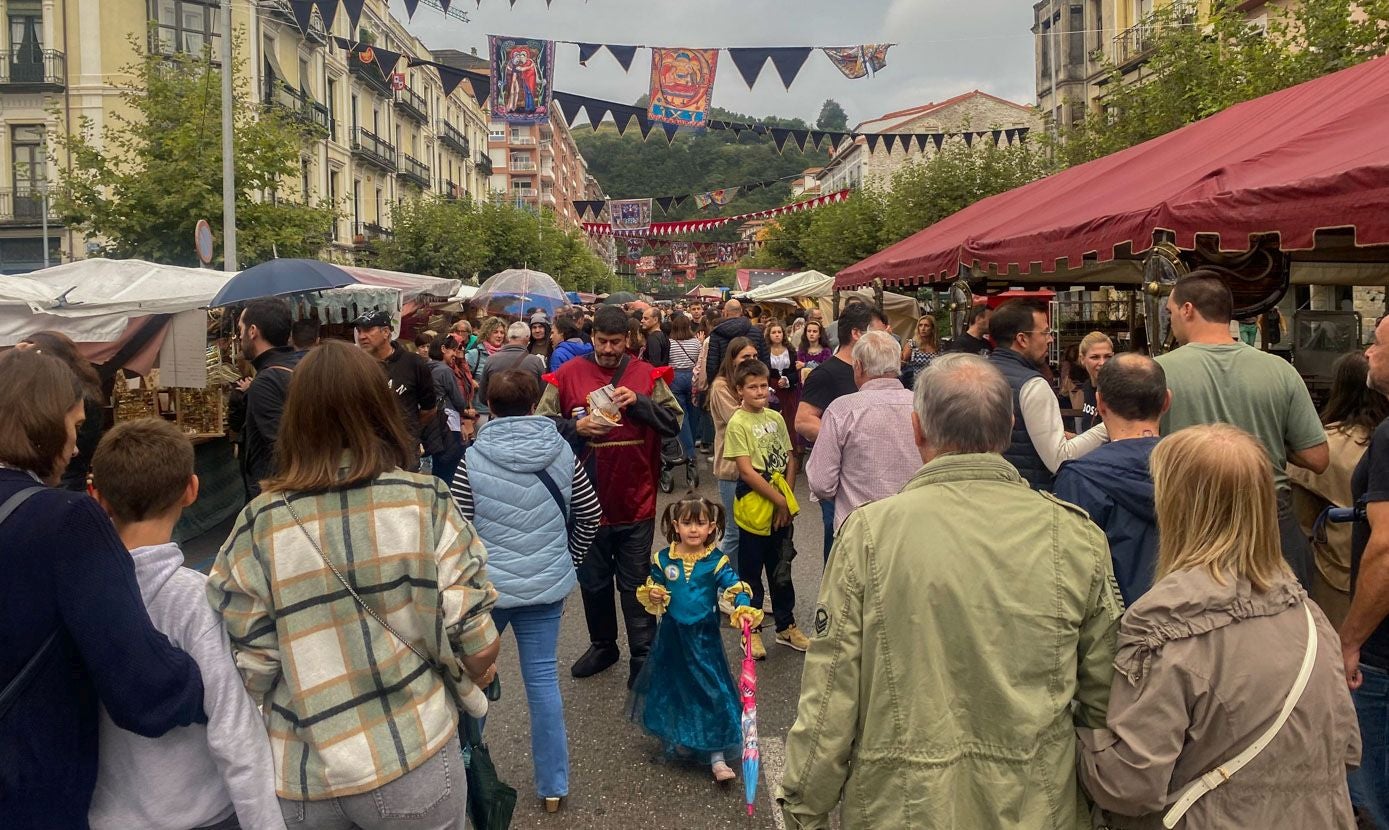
(1217, 379)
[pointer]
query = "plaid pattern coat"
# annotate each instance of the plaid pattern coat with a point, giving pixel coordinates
(350, 708)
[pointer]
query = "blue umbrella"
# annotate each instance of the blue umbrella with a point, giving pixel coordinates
(279, 277)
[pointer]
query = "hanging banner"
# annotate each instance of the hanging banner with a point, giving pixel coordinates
(858, 61)
(630, 214)
(634, 248)
(697, 225)
(682, 85)
(680, 253)
(715, 197)
(523, 73)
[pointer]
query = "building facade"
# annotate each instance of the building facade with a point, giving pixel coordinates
(854, 162)
(375, 141)
(539, 166)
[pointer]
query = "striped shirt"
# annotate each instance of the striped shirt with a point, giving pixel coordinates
(584, 509)
(348, 706)
(684, 353)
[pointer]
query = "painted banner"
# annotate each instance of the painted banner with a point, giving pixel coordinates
(523, 74)
(630, 214)
(858, 61)
(682, 85)
(716, 197)
(680, 253)
(634, 248)
(698, 225)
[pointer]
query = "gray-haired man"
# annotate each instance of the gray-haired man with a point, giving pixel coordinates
(1018, 627)
(514, 355)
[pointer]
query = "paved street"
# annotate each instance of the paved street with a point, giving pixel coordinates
(618, 777)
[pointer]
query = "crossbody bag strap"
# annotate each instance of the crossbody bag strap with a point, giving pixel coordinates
(1222, 773)
(424, 657)
(555, 493)
(17, 684)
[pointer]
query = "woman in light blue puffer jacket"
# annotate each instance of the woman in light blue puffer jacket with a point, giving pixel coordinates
(537, 513)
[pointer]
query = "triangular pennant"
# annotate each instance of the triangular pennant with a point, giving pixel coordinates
(482, 88)
(328, 10)
(677, 201)
(450, 78)
(788, 62)
(779, 135)
(410, 6)
(1022, 133)
(671, 130)
(890, 142)
(303, 12)
(750, 62)
(753, 186)
(385, 60)
(643, 124)
(588, 50)
(444, 5)
(997, 134)
(1010, 134)
(624, 120)
(921, 140)
(354, 12)
(596, 111)
(624, 55)
(939, 139)
(873, 139)
(737, 129)
(816, 137)
(664, 203)
(801, 137)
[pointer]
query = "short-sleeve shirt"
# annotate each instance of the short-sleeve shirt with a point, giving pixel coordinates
(1370, 483)
(762, 437)
(1231, 383)
(830, 381)
(413, 386)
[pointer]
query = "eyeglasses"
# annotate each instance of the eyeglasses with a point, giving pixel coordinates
(1043, 332)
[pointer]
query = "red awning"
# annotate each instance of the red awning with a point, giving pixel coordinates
(1311, 157)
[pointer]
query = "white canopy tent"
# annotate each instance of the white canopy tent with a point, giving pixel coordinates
(814, 287)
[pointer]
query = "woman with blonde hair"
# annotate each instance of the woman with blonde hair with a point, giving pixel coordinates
(1096, 349)
(358, 605)
(1229, 708)
(918, 352)
(491, 337)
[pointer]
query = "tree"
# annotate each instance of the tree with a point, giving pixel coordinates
(434, 236)
(832, 117)
(1193, 71)
(157, 169)
(952, 179)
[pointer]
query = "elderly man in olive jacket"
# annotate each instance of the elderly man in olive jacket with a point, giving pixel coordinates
(964, 627)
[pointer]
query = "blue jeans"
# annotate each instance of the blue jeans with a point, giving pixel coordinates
(1369, 785)
(537, 637)
(432, 796)
(827, 516)
(684, 393)
(727, 491)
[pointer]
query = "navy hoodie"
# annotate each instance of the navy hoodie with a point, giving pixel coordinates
(1114, 486)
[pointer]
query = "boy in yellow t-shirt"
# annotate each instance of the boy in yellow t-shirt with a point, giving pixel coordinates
(758, 442)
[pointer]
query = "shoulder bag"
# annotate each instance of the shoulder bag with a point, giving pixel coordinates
(10, 694)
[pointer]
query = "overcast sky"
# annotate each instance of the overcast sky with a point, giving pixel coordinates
(945, 47)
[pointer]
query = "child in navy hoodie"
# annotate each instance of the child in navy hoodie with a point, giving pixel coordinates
(219, 775)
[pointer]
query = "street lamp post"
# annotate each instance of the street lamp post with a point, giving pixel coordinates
(228, 161)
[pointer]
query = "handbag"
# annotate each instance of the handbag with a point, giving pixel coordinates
(1222, 773)
(491, 801)
(753, 511)
(471, 703)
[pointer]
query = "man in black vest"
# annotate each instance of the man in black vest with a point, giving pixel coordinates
(1021, 337)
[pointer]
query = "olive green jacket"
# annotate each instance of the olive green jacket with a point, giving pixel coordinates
(964, 628)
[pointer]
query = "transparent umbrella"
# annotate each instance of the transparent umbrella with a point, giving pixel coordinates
(519, 292)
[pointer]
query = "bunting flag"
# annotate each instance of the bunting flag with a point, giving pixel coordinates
(410, 6)
(788, 61)
(353, 7)
(303, 13)
(588, 50)
(630, 215)
(328, 10)
(682, 84)
(624, 55)
(715, 197)
(858, 61)
(523, 73)
(450, 78)
(698, 225)
(385, 59)
(664, 203)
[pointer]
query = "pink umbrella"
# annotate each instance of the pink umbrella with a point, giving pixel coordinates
(747, 692)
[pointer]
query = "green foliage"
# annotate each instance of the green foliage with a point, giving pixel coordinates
(832, 117)
(157, 169)
(1193, 71)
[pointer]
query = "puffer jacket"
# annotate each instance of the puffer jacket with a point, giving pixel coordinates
(724, 333)
(567, 351)
(1202, 669)
(515, 515)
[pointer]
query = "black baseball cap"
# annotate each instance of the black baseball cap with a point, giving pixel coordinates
(373, 319)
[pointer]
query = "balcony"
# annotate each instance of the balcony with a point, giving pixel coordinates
(373, 150)
(523, 192)
(547, 171)
(414, 170)
(33, 70)
(547, 197)
(411, 104)
(522, 139)
(370, 74)
(451, 138)
(300, 108)
(453, 191)
(484, 164)
(364, 233)
(23, 207)
(521, 165)
(1131, 46)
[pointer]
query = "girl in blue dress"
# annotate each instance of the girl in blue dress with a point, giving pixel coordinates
(685, 694)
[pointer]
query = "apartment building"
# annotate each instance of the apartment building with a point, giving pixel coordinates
(375, 140)
(538, 165)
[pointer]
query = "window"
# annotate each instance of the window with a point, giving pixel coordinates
(332, 103)
(305, 78)
(1097, 25)
(304, 176)
(333, 200)
(185, 25)
(355, 122)
(357, 205)
(1075, 45)
(26, 32)
(378, 205)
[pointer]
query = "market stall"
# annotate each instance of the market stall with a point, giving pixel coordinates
(812, 289)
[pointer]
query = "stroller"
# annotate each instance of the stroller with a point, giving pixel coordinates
(672, 456)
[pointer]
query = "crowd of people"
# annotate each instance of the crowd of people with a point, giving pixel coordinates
(1022, 621)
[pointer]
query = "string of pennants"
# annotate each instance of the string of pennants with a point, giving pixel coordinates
(705, 199)
(629, 215)
(685, 253)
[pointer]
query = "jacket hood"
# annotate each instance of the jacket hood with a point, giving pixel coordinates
(733, 327)
(1120, 470)
(154, 565)
(522, 443)
(1190, 603)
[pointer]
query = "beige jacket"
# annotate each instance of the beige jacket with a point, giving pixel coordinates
(1202, 669)
(1314, 492)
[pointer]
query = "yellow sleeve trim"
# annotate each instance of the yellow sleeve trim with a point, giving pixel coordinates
(654, 606)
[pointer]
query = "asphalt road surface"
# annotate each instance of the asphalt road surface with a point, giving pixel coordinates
(619, 777)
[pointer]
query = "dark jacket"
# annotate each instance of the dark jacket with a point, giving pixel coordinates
(66, 571)
(1113, 485)
(506, 359)
(1018, 370)
(265, 403)
(723, 334)
(436, 436)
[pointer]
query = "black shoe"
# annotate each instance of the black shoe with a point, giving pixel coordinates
(598, 657)
(634, 669)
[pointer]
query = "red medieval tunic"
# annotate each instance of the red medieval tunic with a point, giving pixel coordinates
(625, 463)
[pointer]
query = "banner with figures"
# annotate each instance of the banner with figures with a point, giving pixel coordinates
(858, 61)
(630, 215)
(523, 74)
(680, 253)
(716, 197)
(682, 85)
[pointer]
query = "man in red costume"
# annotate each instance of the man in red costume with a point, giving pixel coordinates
(624, 461)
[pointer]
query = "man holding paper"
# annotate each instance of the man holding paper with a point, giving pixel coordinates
(621, 408)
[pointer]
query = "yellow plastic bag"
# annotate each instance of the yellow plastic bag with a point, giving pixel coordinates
(753, 511)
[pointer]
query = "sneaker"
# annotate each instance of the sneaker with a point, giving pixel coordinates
(759, 651)
(723, 773)
(793, 637)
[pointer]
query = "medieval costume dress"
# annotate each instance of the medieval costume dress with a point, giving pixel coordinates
(685, 695)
